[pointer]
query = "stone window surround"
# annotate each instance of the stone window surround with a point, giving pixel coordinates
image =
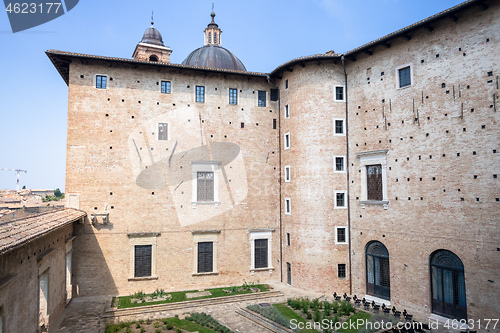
(288, 207)
(261, 234)
(205, 236)
(287, 134)
(373, 158)
(335, 93)
(287, 179)
(287, 111)
(398, 85)
(346, 235)
(335, 200)
(335, 164)
(343, 127)
(204, 166)
(143, 238)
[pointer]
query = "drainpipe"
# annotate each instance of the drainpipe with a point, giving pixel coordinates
(347, 174)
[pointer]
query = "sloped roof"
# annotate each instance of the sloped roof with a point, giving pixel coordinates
(16, 233)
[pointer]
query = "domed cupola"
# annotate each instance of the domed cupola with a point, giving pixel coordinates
(151, 47)
(212, 55)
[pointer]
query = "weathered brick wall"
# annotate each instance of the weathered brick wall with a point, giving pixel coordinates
(20, 297)
(313, 254)
(118, 166)
(442, 156)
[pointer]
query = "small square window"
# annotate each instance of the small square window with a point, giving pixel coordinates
(287, 174)
(100, 81)
(340, 235)
(339, 93)
(340, 199)
(288, 206)
(339, 125)
(233, 96)
(288, 242)
(262, 98)
(404, 75)
(200, 94)
(341, 271)
(287, 111)
(287, 140)
(165, 87)
(339, 163)
(162, 131)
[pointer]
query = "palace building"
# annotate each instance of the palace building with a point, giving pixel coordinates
(371, 172)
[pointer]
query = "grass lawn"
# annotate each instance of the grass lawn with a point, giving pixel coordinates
(179, 296)
(358, 315)
(291, 314)
(188, 325)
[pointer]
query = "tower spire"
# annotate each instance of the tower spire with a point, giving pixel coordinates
(212, 31)
(152, 21)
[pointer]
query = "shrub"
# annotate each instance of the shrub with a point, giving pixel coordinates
(327, 307)
(308, 315)
(335, 306)
(137, 325)
(142, 330)
(317, 316)
(178, 330)
(156, 325)
(158, 331)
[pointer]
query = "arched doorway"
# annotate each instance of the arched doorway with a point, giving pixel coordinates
(448, 285)
(153, 58)
(378, 282)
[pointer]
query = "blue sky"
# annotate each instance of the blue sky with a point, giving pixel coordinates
(262, 33)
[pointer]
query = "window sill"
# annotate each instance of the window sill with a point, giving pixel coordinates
(405, 87)
(143, 278)
(204, 274)
(253, 270)
(214, 203)
(364, 203)
(343, 243)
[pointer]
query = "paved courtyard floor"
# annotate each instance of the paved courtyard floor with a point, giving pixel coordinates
(83, 314)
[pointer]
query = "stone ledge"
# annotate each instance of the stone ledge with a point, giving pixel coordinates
(263, 321)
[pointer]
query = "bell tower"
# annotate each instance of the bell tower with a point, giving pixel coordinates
(212, 32)
(151, 47)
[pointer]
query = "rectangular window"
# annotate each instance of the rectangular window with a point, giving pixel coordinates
(288, 273)
(261, 253)
(288, 242)
(342, 271)
(404, 77)
(100, 81)
(286, 84)
(205, 257)
(287, 140)
(339, 126)
(142, 260)
(233, 96)
(287, 174)
(275, 124)
(340, 199)
(339, 93)
(205, 186)
(165, 87)
(340, 235)
(339, 163)
(288, 206)
(162, 131)
(374, 182)
(262, 98)
(200, 94)
(287, 112)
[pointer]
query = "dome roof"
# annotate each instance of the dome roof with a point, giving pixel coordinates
(152, 36)
(214, 56)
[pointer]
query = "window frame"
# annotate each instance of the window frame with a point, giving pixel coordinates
(335, 126)
(344, 270)
(261, 234)
(202, 95)
(398, 79)
(343, 164)
(286, 84)
(337, 242)
(288, 239)
(287, 174)
(204, 166)
(373, 158)
(166, 135)
(288, 206)
(233, 98)
(335, 93)
(335, 199)
(138, 239)
(287, 111)
(96, 76)
(286, 141)
(261, 103)
(168, 87)
(205, 236)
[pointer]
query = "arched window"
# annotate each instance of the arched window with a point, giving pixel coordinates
(378, 282)
(448, 285)
(153, 58)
